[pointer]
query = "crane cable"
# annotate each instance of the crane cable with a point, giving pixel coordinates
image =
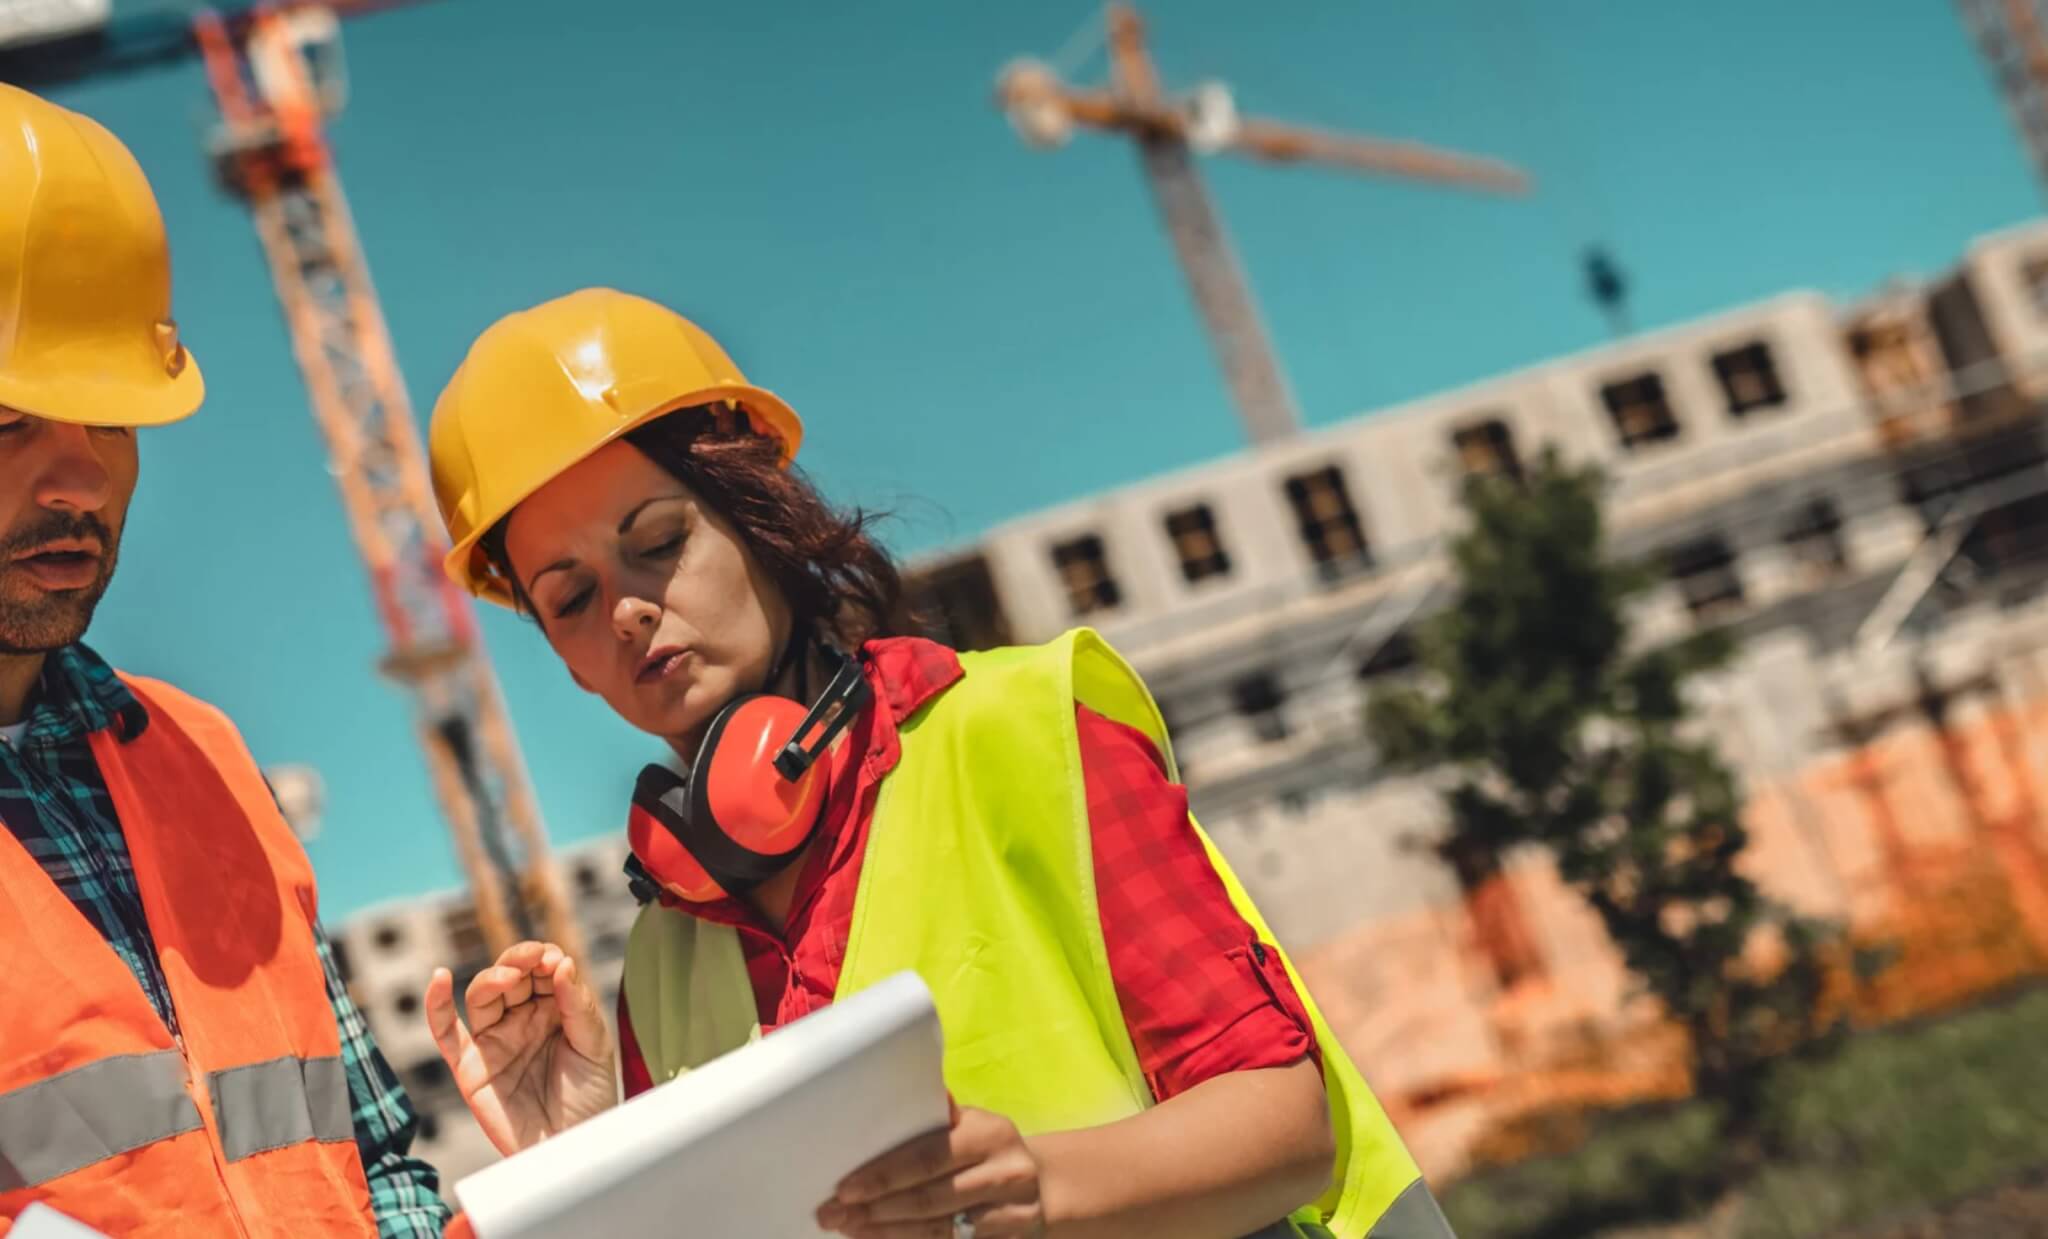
(1080, 47)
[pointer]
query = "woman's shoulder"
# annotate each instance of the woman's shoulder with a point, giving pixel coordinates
(1051, 677)
(924, 680)
(912, 658)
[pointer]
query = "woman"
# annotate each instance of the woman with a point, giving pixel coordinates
(1128, 1051)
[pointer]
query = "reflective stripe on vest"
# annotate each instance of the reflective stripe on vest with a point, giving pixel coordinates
(93, 1113)
(88, 1114)
(266, 1106)
(68, 1122)
(1413, 1215)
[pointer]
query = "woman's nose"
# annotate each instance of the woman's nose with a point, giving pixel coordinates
(634, 616)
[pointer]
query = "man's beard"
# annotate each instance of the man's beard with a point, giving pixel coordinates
(52, 620)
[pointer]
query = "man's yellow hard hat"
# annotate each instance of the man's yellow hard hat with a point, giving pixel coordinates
(544, 388)
(86, 333)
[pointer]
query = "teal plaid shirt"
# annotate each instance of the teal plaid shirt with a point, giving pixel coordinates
(54, 800)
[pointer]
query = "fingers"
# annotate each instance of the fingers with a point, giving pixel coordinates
(938, 1198)
(527, 955)
(523, 973)
(908, 1165)
(450, 1037)
(1000, 1222)
(582, 1020)
(552, 958)
(493, 990)
(930, 1228)
(517, 976)
(1026, 1218)
(1002, 1180)
(980, 1165)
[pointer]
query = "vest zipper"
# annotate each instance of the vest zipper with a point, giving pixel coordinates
(213, 1150)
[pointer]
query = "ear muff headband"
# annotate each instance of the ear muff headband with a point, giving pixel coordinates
(845, 696)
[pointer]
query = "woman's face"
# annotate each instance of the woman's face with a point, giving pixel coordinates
(648, 595)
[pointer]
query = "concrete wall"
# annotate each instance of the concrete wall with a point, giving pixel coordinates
(1403, 476)
(2008, 272)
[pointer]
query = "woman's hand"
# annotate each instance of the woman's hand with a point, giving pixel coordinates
(979, 1165)
(537, 1057)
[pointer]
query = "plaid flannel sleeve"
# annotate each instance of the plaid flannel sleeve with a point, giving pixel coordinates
(404, 1191)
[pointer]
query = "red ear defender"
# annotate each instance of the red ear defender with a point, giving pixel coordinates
(753, 795)
(654, 828)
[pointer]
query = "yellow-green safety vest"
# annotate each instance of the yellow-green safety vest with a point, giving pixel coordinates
(979, 875)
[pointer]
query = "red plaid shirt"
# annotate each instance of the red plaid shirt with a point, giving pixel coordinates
(1200, 995)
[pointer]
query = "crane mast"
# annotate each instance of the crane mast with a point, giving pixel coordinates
(2009, 35)
(274, 83)
(1245, 352)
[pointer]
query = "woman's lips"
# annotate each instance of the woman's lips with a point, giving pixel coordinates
(661, 663)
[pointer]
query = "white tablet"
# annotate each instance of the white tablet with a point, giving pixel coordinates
(40, 1221)
(750, 1144)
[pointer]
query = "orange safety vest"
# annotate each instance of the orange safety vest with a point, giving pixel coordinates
(241, 1124)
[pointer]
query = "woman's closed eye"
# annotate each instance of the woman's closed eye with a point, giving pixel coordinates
(574, 603)
(665, 548)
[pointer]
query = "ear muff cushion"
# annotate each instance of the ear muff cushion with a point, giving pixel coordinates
(658, 843)
(735, 787)
(736, 821)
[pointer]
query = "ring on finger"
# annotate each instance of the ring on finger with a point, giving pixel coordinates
(963, 1225)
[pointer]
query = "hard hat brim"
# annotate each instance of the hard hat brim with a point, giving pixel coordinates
(93, 401)
(468, 566)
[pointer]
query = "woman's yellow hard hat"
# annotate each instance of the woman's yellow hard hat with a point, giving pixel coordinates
(86, 333)
(546, 387)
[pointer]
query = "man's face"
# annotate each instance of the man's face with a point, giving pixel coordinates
(64, 493)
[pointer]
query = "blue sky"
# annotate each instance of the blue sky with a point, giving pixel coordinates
(971, 328)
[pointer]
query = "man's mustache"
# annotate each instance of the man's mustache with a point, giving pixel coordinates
(52, 527)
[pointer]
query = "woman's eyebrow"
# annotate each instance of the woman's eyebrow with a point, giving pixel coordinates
(560, 565)
(626, 524)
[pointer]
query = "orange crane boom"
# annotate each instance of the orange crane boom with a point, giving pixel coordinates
(273, 69)
(273, 153)
(1169, 133)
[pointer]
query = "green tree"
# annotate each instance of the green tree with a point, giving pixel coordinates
(1554, 729)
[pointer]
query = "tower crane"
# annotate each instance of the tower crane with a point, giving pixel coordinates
(2009, 35)
(1169, 133)
(275, 73)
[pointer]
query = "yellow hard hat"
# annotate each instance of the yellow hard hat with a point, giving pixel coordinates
(86, 333)
(546, 387)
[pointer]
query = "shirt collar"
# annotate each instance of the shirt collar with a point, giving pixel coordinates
(79, 695)
(910, 671)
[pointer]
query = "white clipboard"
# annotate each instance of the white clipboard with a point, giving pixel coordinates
(750, 1144)
(40, 1221)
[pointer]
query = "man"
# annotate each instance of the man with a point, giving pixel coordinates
(177, 1053)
